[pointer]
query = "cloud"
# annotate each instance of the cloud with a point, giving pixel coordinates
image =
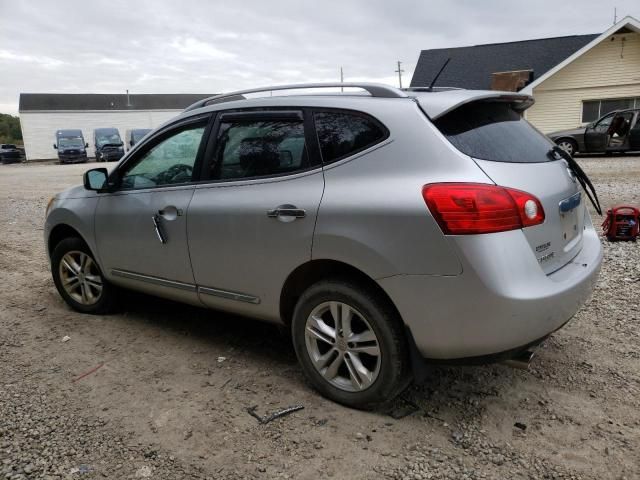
(207, 47)
(46, 62)
(194, 49)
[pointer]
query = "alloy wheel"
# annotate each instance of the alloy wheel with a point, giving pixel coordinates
(342, 346)
(80, 277)
(567, 147)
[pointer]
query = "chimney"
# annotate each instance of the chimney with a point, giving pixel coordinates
(511, 81)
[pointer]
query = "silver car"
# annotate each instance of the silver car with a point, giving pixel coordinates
(386, 228)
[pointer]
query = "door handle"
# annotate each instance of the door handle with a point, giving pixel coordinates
(170, 212)
(287, 211)
(156, 225)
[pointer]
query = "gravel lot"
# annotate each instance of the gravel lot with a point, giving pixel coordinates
(171, 395)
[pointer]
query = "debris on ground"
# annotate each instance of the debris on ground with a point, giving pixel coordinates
(278, 414)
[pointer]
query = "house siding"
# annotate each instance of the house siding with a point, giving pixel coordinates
(609, 70)
(38, 128)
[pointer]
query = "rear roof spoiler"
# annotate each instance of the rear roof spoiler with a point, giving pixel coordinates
(439, 103)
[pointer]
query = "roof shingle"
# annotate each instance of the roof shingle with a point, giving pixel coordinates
(98, 101)
(471, 67)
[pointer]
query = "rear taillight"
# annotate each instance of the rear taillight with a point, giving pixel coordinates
(473, 208)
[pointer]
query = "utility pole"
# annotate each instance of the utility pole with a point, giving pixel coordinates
(399, 71)
(341, 79)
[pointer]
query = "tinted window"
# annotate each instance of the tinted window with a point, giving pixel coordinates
(493, 131)
(603, 124)
(168, 162)
(342, 134)
(258, 148)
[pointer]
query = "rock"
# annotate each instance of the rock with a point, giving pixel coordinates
(144, 472)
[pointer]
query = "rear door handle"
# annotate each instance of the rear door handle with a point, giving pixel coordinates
(287, 211)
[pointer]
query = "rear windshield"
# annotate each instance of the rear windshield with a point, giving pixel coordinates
(493, 131)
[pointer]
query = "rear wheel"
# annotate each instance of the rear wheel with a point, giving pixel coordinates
(350, 344)
(568, 145)
(79, 279)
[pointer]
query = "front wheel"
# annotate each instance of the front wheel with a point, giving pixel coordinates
(351, 344)
(569, 146)
(78, 278)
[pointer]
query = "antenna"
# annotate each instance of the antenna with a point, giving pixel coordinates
(433, 82)
(615, 15)
(399, 71)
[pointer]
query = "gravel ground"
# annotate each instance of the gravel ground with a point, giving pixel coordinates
(170, 394)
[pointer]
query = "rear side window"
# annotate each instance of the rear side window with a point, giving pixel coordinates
(259, 148)
(493, 131)
(342, 134)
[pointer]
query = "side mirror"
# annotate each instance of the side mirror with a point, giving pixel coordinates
(95, 179)
(86, 145)
(55, 146)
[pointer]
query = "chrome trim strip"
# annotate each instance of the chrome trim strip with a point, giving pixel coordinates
(241, 297)
(155, 280)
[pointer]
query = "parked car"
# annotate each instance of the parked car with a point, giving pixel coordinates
(107, 144)
(617, 131)
(9, 153)
(71, 146)
(134, 135)
(385, 230)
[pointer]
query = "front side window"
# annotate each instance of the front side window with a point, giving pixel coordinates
(251, 148)
(342, 134)
(170, 161)
(603, 125)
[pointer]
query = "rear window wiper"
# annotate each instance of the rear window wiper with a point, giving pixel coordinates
(582, 177)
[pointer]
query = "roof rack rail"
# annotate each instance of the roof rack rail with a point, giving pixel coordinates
(432, 89)
(374, 89)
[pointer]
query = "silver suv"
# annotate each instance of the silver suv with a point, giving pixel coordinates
(384, 227)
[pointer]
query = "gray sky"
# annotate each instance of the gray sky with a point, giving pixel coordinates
(185, 46)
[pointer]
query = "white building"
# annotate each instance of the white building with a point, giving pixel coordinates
(41, 114)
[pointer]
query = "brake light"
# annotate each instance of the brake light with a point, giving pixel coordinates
(474, 208)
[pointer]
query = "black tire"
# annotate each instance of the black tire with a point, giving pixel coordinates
(106, 300)
(569, 142)
(393, 374)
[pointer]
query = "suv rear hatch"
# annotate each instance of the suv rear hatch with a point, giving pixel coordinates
(514, 154)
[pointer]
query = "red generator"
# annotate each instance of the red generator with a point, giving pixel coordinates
(621, 223)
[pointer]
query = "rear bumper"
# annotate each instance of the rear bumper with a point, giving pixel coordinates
(502, 300)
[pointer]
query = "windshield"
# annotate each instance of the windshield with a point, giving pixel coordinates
(110, 138)
(493, 131)
(70, 142)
